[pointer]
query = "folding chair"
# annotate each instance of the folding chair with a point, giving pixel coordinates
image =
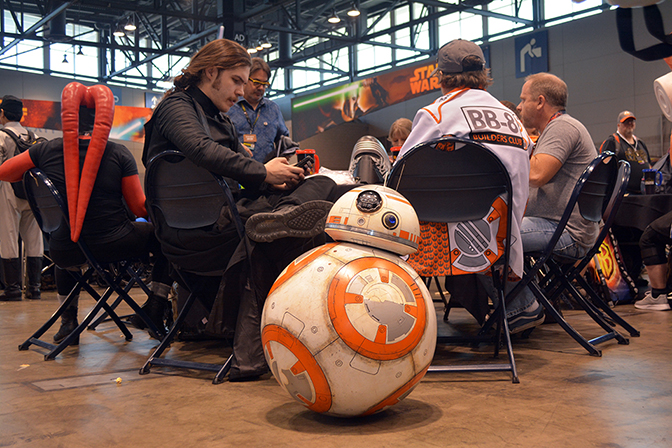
(457, 185)
(188, 197)
(592, 194)
(595, 202)
(51, 212)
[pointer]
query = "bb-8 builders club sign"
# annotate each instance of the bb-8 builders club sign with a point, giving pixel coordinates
(316, 112)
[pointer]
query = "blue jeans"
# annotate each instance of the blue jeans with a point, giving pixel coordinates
(536, 233)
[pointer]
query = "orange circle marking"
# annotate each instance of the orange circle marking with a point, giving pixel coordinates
(338, 299)
(306, 363)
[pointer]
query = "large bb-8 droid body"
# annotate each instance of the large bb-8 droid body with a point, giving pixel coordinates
(349, 328)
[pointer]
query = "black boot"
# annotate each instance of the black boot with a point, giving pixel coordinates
(68, 324)
(155, 307)
(34, 271)
(12, 268)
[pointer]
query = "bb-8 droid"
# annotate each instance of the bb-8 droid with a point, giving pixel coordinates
(349, 328)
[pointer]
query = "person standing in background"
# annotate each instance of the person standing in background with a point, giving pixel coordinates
(16, 218)
(258, 120)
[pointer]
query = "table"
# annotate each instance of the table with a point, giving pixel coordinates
(639, 210)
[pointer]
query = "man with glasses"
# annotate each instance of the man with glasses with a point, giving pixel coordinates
(258, 120)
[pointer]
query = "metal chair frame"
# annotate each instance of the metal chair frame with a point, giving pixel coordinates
(51, 212)
(458, 185)
(208, 187)
(597, 193)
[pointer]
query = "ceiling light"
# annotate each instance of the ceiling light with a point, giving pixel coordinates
(259, 46)
(130, 25)
(252, 50)
(65, 58)
(119, 32)
(80, 52)
(333, 18)
(353, 12)
(266, 44)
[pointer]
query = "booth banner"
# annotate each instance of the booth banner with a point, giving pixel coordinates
(128, 121)
(316, 112)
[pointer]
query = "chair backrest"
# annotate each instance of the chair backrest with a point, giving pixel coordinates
(612, 203)
(592, 193)
(595, 187)
(45, 201)
(187, 195)
(453, 180)
(450, 179)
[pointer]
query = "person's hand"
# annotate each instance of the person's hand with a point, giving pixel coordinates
(281, 175)
(249, 151)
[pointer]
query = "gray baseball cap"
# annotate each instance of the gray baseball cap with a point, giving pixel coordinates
(451, 56)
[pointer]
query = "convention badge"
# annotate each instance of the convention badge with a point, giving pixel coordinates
(249, 140)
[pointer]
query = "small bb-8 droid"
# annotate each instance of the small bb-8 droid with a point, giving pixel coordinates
(349, 328)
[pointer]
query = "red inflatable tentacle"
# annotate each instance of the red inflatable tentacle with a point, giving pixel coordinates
(71, 98)
(101, 98)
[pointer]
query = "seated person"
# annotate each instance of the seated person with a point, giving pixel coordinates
(108, 231)
(655, 238)
(562, 152)
(464, 79)
(282, 211)
(399, 132)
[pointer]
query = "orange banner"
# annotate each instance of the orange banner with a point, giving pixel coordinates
(128, 121)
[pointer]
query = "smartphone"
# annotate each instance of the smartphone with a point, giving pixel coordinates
(305, 161)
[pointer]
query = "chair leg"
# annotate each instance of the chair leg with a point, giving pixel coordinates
(166, 341)
(606, 308)
(34, 339)
(135, 279)
(592, 350)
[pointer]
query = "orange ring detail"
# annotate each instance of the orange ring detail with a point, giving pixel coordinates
(306, 363)
(338, 298)
(295, 266)
(394, 398)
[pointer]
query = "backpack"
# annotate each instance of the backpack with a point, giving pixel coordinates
(21, 146)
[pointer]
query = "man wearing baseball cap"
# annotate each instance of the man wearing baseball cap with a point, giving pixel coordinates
(466, 110)
(628, 147)
(16, 218)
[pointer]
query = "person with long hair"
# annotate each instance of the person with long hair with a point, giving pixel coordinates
(284, 213)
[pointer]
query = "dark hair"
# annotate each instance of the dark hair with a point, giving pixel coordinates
(87, 118)
(478, 79)
(550, 87)
(511, 106)
(12, 107)
(260, 64)
(223, 54)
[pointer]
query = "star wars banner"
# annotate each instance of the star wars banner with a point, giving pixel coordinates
(316, 112)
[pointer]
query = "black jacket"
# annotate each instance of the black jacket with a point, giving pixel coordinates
(178, 123)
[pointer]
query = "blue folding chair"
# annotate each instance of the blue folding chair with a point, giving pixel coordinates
(51, 213)
(563, 271)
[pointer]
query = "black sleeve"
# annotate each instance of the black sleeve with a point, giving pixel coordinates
(178, 121)
(608, 145)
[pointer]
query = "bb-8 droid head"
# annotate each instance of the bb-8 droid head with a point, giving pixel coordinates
(377, 216)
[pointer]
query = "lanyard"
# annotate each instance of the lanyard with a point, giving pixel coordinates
(247, 117)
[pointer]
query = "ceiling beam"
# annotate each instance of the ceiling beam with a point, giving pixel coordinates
(180, 44)
(36, 27)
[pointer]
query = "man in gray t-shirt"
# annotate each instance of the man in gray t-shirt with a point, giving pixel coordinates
(560, 156)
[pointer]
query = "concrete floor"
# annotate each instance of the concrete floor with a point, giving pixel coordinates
(566, 398)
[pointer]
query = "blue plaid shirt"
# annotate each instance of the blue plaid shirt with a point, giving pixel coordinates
(266, 122)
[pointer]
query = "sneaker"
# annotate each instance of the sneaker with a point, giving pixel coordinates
(526, 319)
(300, 221)
(658, 303)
